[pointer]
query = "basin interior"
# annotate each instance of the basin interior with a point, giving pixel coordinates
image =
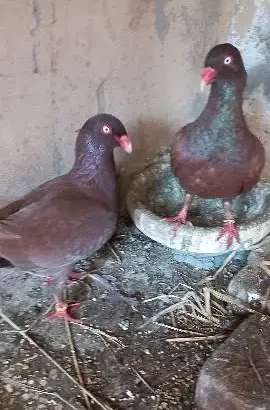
(164, 197)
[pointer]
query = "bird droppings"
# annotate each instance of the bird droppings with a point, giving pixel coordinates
(159, 375)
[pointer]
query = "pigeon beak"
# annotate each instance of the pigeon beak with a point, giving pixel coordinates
(207, 77)
(125, 143)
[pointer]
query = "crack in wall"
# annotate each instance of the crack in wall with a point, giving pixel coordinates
(36, 13)
(100, 96)
(162, 23)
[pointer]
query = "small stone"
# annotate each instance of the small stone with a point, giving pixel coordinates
(8, 388)
(237, 375)
(124, 324)
(130, 394)
(148, 246)
(43, 382)
(53, 374)
(250, 285)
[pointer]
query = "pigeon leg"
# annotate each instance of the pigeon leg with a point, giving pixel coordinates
(229, 228)
(181, 217)
(63, 309)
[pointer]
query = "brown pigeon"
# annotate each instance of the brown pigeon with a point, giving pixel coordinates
(217, 156)
(71, 216)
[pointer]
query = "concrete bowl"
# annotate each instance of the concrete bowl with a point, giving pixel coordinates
(155, 192)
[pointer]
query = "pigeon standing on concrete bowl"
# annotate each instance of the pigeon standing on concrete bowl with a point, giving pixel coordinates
(217, 156)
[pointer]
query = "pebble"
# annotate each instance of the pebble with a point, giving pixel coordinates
(43, 382)
(8, 388)
(53, 374)
(124, 324)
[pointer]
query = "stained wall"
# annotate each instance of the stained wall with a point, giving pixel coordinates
(62, 61)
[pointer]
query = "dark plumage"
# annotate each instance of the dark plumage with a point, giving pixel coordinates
(71, 216)
(216, 156)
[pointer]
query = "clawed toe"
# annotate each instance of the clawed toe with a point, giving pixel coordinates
(231, 231)
(178, 220)
(63, 310)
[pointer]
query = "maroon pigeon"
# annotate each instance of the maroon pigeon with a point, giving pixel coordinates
(71, 216)
(217, 156)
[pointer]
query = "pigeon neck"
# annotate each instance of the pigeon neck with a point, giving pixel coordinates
(225, 100)
(92, 158)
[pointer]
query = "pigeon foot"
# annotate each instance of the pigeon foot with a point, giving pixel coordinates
(63, 310)
(230, 230)
(178, 220)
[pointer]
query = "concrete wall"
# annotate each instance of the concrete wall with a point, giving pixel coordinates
(61, 61)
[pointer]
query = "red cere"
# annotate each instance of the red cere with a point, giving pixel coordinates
(208, 75)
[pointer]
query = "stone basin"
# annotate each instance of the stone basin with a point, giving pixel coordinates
(155, 193)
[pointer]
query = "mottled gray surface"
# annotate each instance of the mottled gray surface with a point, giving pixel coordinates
(250, 285)
(146, 270)
(236, 376)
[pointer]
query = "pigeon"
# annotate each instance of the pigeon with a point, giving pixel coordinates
(217, 156)
(69, 217)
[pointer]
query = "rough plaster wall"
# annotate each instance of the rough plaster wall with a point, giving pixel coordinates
(250, 31)
(64, 60)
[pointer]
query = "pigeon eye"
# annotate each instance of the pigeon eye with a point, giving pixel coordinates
(228, 60)
(106, 129)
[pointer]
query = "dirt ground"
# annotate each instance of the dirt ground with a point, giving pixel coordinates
(145, 371)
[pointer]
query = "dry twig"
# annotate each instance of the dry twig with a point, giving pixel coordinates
(230, 299)
(141, 378)
(113, 251)
(220, 269)
(76, 364)
(25, 386)
(176, 329)
(101, 333)
(193, 302)
(196, 339)
(31, 326)
(44, 353)
(252, 364)
(264, 265)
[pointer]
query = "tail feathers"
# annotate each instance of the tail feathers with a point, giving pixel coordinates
(6, 233)
(4, 263)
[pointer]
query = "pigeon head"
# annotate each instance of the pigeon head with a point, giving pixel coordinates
(108, 131)
(224, 64)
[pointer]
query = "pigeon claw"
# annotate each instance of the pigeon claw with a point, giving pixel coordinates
(178, 220)
(230, 230)
(63, 311)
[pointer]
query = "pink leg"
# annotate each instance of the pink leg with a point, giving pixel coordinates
(181, 217)
(229, 228)
(62, 310)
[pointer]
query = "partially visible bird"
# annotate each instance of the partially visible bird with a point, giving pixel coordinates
(71, 216)
(217, 156)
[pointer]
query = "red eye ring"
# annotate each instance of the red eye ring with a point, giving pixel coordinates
(106, 129)
(228, 60)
